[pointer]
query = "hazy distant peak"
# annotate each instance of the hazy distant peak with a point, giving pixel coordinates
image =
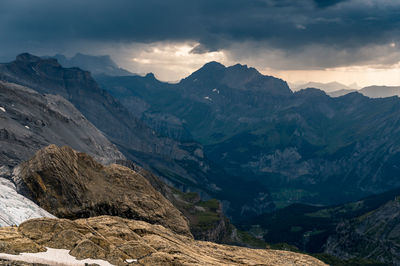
(104, 59)
(97, 65)
(327, 87)
(381, 91)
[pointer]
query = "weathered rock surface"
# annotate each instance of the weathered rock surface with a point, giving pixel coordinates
(70, 184)
(118, 240)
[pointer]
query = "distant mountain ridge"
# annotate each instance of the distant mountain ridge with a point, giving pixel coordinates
(336, 89)
(97, 65)
(380, 91)
(326, 87)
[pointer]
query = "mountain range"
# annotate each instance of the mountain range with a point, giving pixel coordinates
(229, 133)
(336, 89)
(297, 147)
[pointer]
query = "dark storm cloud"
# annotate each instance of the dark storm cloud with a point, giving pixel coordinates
(288, 25)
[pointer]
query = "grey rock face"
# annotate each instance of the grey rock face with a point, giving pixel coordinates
(30, 121)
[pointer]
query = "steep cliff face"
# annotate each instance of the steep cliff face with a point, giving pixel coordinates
(30, 121)
(374, 235)
(70, 184)
(121, 241)
(78, 87)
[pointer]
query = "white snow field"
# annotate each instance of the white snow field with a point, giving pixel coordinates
(15, 208)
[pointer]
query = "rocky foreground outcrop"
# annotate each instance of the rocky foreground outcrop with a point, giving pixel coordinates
(72, 185)
(120, 241)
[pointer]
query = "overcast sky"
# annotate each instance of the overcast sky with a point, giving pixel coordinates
(298, 40)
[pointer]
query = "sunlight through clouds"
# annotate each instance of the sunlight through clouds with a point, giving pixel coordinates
(171, 61)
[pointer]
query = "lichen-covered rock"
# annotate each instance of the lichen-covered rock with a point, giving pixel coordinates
(13, 242)
(119, 241)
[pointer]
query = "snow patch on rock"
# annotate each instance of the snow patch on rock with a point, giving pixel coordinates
(53, 257)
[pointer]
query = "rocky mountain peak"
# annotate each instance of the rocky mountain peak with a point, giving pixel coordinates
(240, 77)
(26, 58)
(150, 76)
(213, 65)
